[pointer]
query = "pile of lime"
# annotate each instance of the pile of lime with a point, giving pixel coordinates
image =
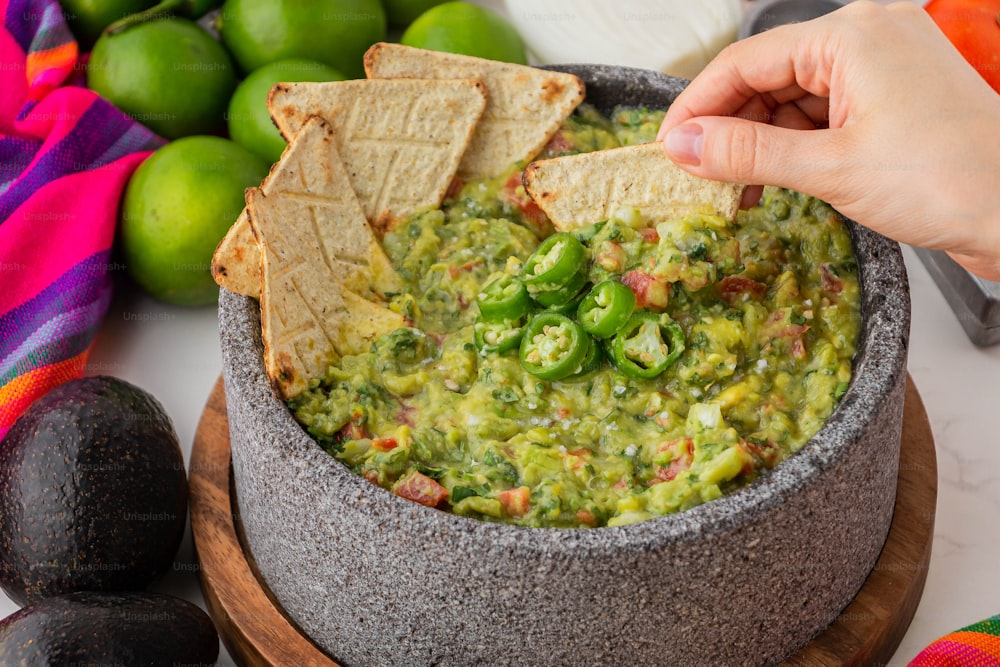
(197, 72)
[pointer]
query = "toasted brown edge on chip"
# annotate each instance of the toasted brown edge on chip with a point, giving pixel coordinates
(236, 260)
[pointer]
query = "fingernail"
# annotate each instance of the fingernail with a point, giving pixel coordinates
(683, 143)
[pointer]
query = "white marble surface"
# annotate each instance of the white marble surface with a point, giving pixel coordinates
(174, 353)
(960, 386)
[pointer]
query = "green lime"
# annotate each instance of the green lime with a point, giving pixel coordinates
(404, 12)
(249, 121)
(178, 205)
(168, 74)
(87, 18)
(460, 27)
(335, 32)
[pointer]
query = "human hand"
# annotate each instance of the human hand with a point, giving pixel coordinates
(903, 135)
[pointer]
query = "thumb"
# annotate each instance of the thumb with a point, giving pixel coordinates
(743, 151)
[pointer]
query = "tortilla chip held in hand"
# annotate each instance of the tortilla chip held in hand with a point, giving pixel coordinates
(578, 190)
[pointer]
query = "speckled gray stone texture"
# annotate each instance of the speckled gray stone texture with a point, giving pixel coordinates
(744, 580)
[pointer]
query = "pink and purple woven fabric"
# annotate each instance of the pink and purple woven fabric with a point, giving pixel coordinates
(65, 156)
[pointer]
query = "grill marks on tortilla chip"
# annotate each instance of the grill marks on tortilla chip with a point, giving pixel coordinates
(525, 106)
(579, 190)
(311, 170)
(309, 319)
(401, 141)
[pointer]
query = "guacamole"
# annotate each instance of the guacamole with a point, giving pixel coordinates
(736, 346)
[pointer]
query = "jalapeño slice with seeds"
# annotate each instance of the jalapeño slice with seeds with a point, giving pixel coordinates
(553, 346)
(647, 345)
(593, 360)
(555, 299)
(497, 337)
(606, 309)
(557, 261)
(505, 298)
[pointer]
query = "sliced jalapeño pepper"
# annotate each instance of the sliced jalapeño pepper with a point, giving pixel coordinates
(553, 346)
(505, 298)
(564, 295)
(647, 345)
(593, 360)
(567, 306)
(497, 337)
(553, 264)
(606, 309)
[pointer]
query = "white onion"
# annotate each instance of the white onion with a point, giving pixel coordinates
(677, 37)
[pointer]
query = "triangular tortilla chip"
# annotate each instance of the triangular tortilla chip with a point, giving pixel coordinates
(308, 318)
(236, 261)
(401, 141)
(525, 106)
(311, 170)
(579, 190)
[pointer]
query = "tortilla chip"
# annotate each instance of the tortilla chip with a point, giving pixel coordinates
(309, 319)
(579, 190)
(311, 170)
(236, 262)
(525, 106)
(401, 141)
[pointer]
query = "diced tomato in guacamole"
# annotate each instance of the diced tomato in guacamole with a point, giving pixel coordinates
(420, 489)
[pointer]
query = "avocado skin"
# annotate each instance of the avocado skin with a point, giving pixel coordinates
(109, 629)
(93, 492)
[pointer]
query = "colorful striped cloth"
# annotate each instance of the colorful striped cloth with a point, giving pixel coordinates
(65, 156)
(977, 645)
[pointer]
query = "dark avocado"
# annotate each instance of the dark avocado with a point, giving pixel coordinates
(93, 492)
(109, 629)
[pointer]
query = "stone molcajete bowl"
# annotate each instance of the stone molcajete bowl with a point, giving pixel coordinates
(748, 579)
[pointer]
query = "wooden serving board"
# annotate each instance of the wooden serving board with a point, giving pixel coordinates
(257, 632)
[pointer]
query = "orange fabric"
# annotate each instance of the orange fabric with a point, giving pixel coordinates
(18, 394)
(988, 645)
(56, 57)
